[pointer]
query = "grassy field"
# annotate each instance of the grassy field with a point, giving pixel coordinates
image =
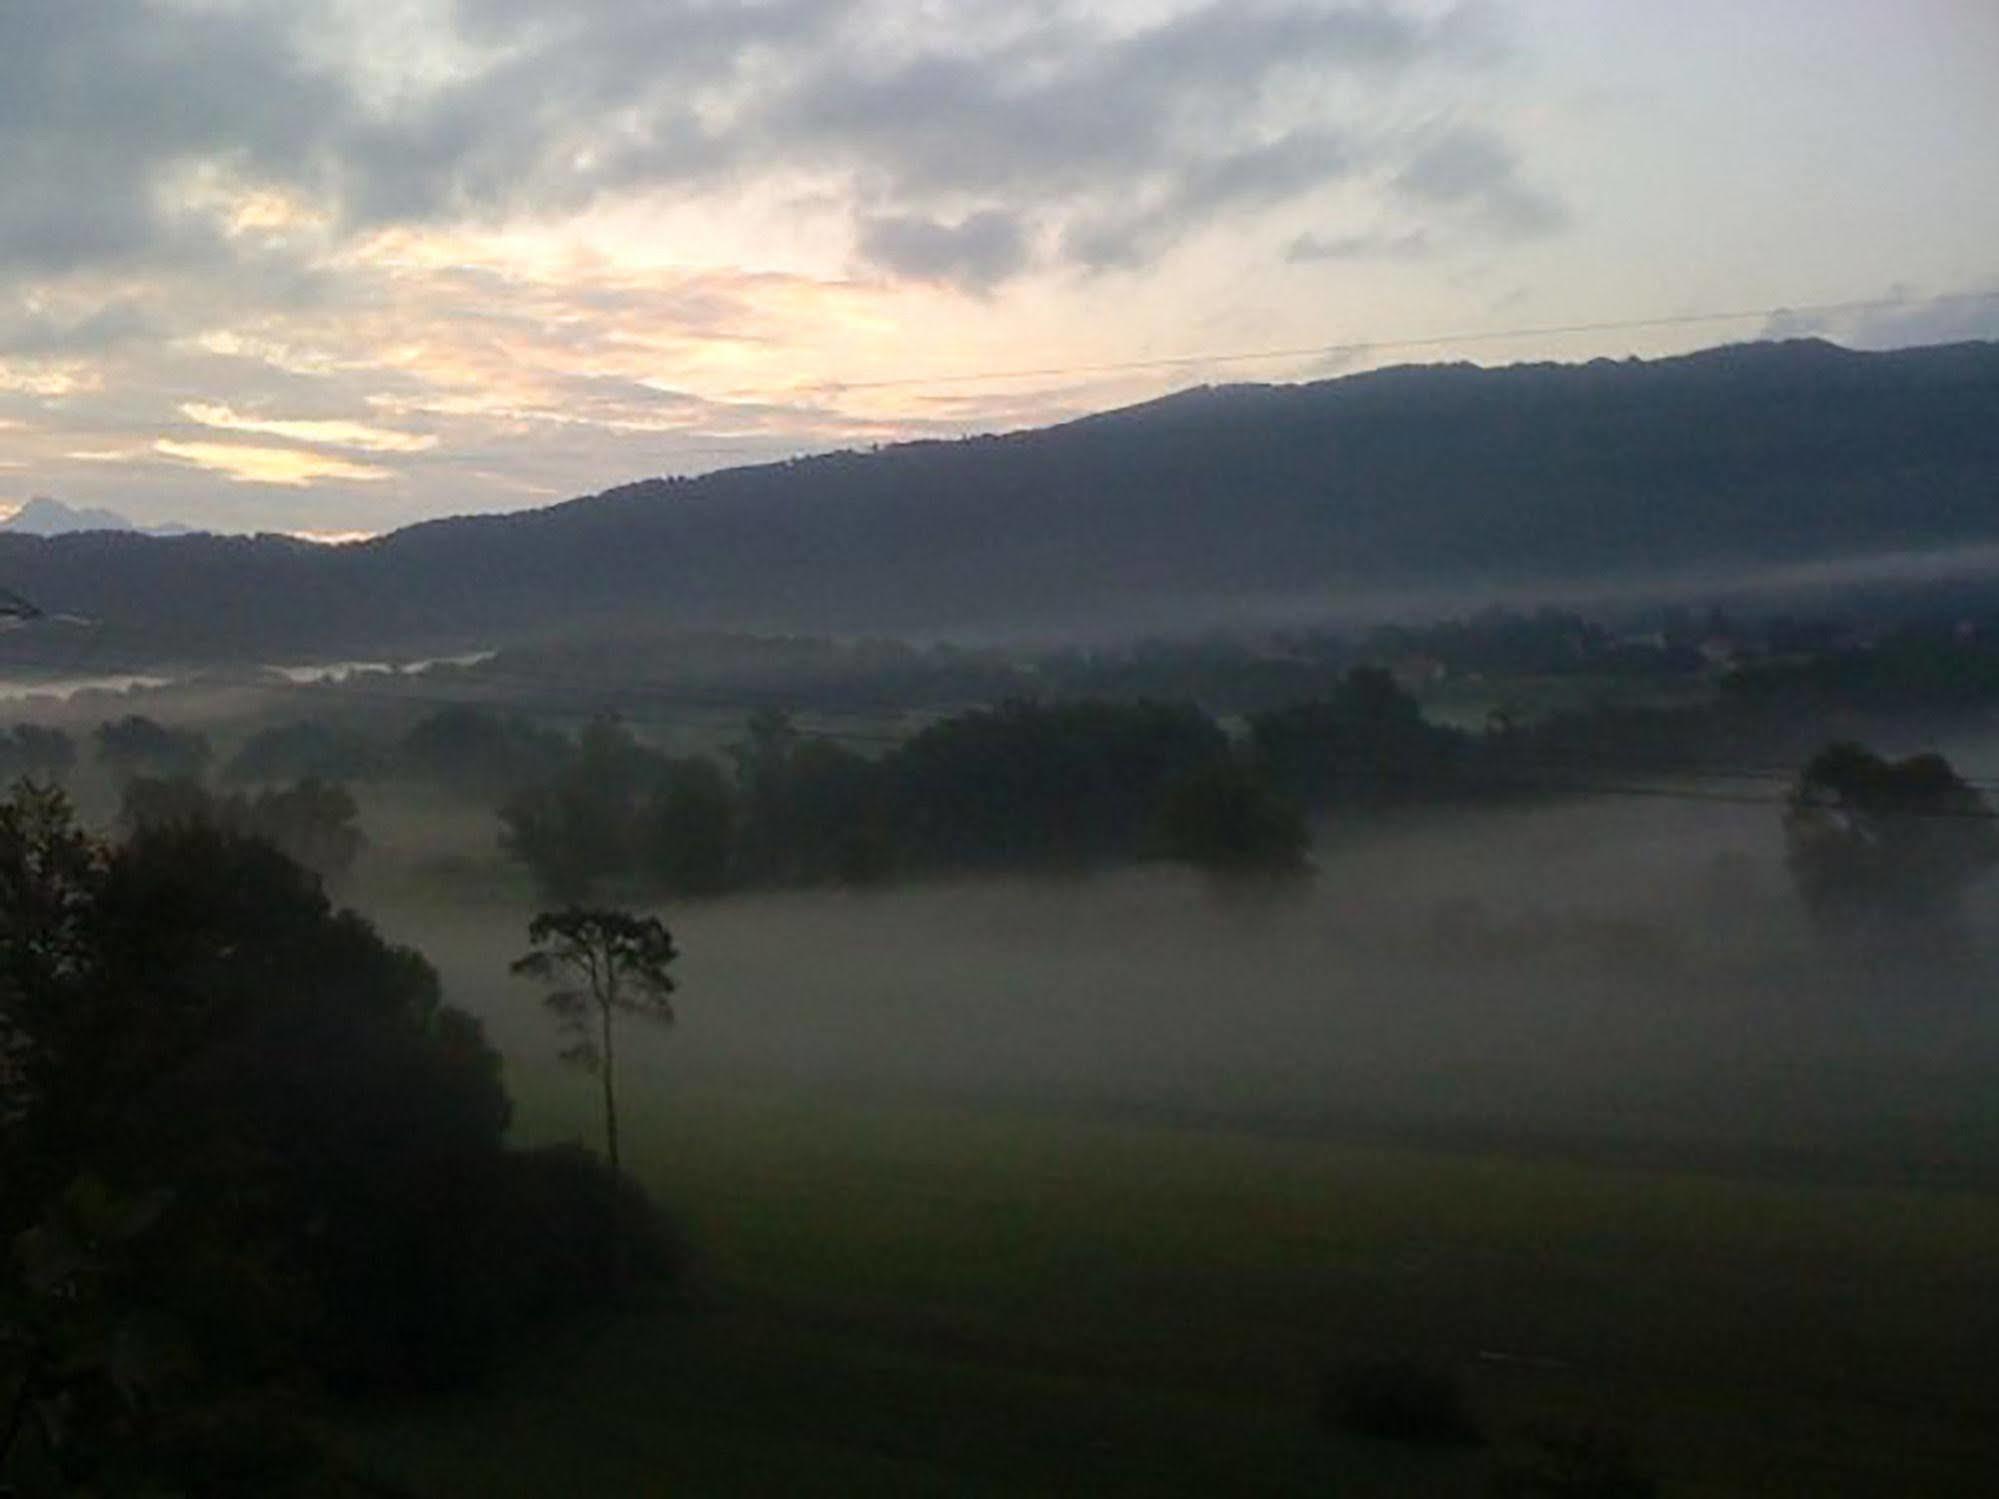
(899, 1296)
(1031, 1189)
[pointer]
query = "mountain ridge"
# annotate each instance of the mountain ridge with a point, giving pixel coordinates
(1416, 476)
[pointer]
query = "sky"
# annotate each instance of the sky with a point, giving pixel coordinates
(334, 266)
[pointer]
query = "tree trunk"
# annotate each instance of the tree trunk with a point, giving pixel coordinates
(610, 1094)
(23, 1402)
(620, 1251)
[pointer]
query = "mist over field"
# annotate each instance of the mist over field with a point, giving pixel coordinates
(1155, 750)
(1628, 975)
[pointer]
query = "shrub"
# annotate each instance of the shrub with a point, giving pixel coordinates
(1583, 1463)
(1398, 1401)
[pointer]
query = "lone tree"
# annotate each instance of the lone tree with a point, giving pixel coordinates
(1872, 840)
(607, 963)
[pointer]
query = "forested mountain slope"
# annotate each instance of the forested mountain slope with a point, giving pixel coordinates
(1434, 477)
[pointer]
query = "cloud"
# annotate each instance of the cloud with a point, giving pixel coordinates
(1902, 319)
(1376, 244)
(338, 434)
(570, 242)
(975, 253)
(1132, 140)
(40, 378)
(1473, 172)
(1207, 190)
(289, 467)
(107, 455)
(210, 134)
(36, 334)
(100, 102)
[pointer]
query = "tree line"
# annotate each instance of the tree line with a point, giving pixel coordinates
(1029, 785)
(250, 1155)
(1020, 786)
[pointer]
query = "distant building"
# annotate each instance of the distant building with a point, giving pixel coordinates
(1416, 671)
(1721, 650)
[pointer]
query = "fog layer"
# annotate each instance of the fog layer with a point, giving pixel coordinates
(1624, 975)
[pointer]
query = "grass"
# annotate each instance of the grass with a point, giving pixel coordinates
(905, 1297)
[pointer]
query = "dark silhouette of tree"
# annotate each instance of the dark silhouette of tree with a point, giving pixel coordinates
(313, 823)
(1872, 841)
(1225, 819)
(583, 827)
(83, 1360)
(471, 752)
(150, 803)
(136, 745)
(237, 1118)
(1367, 743)
(690, 829)
(1050, 785)
(606, 964)
(813, 812)
(763, 756)
(305, 750)
(51, 874)
(36, 753)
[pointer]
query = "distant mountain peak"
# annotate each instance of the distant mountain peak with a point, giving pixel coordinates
(43, 516)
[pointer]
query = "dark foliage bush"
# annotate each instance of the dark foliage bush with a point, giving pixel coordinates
(136, 745)
(1224, 818)
(470, 752)
(304, 750)
(462, 1261)
(1585, 1463)
(579, 1231)
(314, 823)
(1398, 1401)
(246, 1143)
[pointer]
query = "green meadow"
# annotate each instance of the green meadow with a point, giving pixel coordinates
(905, 1296)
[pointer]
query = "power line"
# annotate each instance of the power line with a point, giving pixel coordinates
(1426, 341)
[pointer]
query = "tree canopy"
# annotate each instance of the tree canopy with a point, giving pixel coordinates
(1872, 841)
(604, 964)
(136, 745)
(313, 823)
(300, 1144)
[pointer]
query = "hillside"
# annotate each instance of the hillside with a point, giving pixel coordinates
(1175, 512)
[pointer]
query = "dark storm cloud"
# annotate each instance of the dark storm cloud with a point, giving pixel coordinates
(950, 139)
(1132, 141)
(977, 252)
(1070, 109)
(1473, 171)
(99, 100)
(1256, 176)
(584, 99)
(35, 335)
